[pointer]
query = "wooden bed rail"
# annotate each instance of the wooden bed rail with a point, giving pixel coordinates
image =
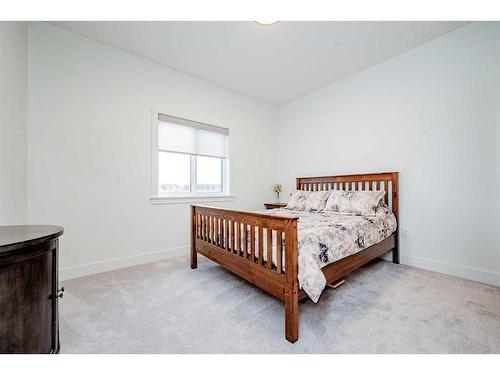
(243, 242)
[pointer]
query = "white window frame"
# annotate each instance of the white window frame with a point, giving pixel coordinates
(179, 198)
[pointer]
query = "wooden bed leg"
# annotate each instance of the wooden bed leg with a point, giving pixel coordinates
(292, 282)
(292, 315)
(193, 255)
(395, 208)
(194, 259)
(395, 255)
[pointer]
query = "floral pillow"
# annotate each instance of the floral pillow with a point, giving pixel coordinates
(360, 203)
(298, 200)
(316, 200)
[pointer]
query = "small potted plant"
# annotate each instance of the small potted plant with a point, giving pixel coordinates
(277, 189)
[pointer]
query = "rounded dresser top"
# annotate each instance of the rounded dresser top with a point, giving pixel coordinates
(21, 236)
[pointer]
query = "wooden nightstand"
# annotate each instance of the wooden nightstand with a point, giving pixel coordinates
(270, 206)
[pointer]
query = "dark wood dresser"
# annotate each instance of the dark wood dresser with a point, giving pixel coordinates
(29, 289)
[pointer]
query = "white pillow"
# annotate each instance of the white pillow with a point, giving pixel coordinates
(316, 200)
(354, 202)
(297, 200)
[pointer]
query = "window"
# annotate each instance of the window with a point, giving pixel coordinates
(191, 159)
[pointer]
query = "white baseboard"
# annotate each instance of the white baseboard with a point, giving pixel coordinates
(471, 273)
(466, 272)
(67, 273)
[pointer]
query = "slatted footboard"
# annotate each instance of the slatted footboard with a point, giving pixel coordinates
(243, 243)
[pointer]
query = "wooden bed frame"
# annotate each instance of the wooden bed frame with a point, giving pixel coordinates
(220, 234)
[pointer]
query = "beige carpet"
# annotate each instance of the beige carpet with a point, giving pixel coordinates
(165, 307)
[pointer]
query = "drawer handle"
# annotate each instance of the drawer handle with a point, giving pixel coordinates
(60, 292)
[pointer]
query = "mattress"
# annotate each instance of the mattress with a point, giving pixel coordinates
(326, 237)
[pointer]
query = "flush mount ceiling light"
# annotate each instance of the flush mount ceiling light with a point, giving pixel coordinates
(267, 22)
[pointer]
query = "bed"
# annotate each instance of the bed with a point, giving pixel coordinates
(263, 247)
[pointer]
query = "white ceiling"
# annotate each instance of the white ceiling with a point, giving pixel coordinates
(275, 64)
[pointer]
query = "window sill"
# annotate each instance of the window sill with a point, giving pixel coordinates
(183, 199)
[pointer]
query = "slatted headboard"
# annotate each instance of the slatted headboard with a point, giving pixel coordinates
(387, 181)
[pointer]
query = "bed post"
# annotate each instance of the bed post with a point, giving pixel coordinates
(292, 283)
(193, 254)
(395, 211)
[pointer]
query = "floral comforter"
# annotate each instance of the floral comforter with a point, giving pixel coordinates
(325, 237)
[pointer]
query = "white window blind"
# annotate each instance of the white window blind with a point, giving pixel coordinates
(190, 137)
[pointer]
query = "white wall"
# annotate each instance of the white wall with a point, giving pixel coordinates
(431, 114)
(13, 86)
(89, 138)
